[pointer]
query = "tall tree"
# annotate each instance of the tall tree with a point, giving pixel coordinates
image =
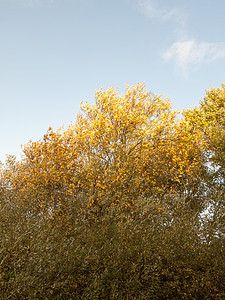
(121, 148)
(209, 119)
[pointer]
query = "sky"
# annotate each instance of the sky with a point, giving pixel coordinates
(56, 53)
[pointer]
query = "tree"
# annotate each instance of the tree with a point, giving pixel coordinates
(120, 149)
(209, 119)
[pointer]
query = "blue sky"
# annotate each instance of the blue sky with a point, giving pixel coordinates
(55, 53)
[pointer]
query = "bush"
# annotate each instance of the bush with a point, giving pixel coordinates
(149, 255)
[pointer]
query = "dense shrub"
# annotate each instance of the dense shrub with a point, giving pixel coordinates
(120, 256)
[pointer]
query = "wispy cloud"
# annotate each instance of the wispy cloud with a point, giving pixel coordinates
(153, 10)
(147, 8)
(189, 55)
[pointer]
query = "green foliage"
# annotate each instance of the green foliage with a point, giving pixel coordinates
(152, 255)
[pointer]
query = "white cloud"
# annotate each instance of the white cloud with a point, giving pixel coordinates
(147, 8)
(151, 9)
(190, 55)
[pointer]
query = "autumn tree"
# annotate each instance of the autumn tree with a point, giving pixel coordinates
(209, 119)
(120, 149)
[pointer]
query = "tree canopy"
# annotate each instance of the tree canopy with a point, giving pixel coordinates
(121, 148)
(129, 199)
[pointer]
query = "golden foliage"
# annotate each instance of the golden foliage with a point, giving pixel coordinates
(120, 148)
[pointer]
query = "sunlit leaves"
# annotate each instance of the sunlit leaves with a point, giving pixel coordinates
(120, 148)
(209, 118)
